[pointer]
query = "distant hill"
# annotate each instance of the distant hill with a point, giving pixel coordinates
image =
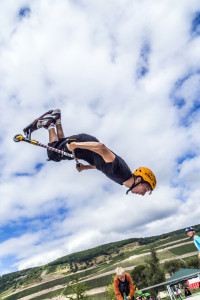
(96, 266)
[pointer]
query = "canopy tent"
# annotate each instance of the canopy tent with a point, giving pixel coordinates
(180, 276)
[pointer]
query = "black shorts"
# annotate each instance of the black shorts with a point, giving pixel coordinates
(61, 145)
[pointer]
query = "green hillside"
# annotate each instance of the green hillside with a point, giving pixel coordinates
(101, 261)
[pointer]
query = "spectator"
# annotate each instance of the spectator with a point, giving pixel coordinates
(123, 285)
(187, 292)
(191, 233)
(178, 292)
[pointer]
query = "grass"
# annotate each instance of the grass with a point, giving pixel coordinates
(187, 258)
(183, 249)
(135, 261)
(49, 295)
(91, 284)
(100, 296)
(168, 240)
(51, 269)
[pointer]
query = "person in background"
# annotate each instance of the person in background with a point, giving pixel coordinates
(187, 292)
(191, 233)
(123, 285)
(178, 291)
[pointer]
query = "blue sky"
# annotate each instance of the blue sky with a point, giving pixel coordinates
(127, 72)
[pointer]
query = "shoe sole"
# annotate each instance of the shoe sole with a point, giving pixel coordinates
(56, 111)
(27, 128)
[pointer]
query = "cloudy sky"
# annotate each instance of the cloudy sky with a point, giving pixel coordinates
(125, 71)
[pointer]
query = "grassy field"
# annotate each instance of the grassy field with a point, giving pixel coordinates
(187, 258)
(184, 249)
(49, 295)
(91, 284)
(100, 296)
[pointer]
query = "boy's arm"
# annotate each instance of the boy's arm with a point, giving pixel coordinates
(82, 167)
(131, 286)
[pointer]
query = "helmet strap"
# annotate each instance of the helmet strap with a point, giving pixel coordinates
(133, 185)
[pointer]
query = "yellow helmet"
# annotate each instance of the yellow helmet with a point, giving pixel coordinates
(147, 175)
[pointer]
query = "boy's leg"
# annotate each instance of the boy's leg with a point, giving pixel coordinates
(96, 147)
(106, 154)
(52, 135)
(53, 142)
(59, 129)
(60, 132)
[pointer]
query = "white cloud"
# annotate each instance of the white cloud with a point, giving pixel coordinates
(83, 57)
